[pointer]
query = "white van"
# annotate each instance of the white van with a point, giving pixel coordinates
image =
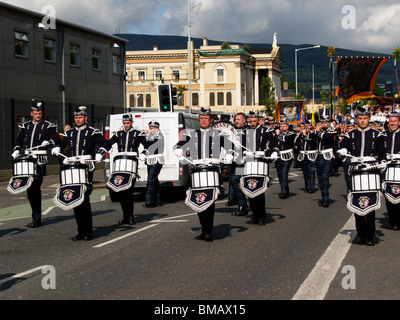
(172, 124)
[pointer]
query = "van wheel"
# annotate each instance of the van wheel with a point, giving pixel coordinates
(113, 196)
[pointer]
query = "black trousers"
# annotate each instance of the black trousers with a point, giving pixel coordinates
(257, 205)
(206, 219)
(393, 211)
(83, 212)
(34, 194)
(126, 201)
(365, 225)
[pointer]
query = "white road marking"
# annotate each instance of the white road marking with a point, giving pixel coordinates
(124, 236)
(22, 274)
(318, 281)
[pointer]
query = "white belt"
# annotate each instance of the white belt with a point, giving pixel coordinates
(286, 155)
(36, 152)
(326, 151)
(362, 159)
(393, 156)
(127, 153)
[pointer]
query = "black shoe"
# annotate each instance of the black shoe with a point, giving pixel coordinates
(78, 237)
(284, 195)
(132, 221)
(159, 204)
(88, 237)
(255, 221)
(242, 211)
(370, 243)
(123, 221)
(361, 241)
(394, 227)
(311, 191)
(201, 236)
(149, 205)
(34, 224)
(230, 203)
(208, 237)
(325, 204)
(261, 223)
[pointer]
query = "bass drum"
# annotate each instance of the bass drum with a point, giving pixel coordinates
(204, 177)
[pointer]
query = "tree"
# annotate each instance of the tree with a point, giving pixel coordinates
(268, 88)
(225, 45)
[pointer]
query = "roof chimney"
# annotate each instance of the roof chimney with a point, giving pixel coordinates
(205, 42)
(155, 48)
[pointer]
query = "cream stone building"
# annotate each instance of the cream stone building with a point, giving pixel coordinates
(227, 80)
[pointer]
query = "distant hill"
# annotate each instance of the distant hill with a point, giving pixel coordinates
(305, 59)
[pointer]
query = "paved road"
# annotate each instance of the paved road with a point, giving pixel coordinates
(304, 252)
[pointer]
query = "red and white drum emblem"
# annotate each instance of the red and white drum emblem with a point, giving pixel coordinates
(200, 197)
(17, 183)
(252, 184)
(118, 180)
(68, 194)
(395, 189)
(363, 202)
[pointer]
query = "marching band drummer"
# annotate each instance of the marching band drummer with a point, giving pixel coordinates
(364, 142)
(259, 138)
(153, 155)
(37, 134)
(326, 139)
(204, 143)
(81, 141)
(306, 142)
(285, 145)
(128, 140)
(391, 139)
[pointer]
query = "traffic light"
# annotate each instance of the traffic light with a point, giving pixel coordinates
(166, 97)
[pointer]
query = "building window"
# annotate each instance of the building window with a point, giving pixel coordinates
(49, 50)
(132, 101)
(158, 75)
(21, 44)
(96, 60)
(195, 99)
(117, 64)
(148, 100)
(139, 100)
(220, 73)
(75, 57)
(220, 98)
(229, 99)
(212, 99)
(176, 74)
(141, 75)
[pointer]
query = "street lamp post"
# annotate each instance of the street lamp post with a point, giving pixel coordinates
(295, 59)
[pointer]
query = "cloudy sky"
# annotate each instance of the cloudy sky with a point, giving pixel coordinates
(368, 25)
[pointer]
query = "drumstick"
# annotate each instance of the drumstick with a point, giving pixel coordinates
(184, 158)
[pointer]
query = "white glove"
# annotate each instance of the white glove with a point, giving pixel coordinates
(342, 152)
(228, 158)
(178, 152)
(45, 143)
(65, 161)
(55, 151)
(142, 157)
(98, 157)
(274, 155)
(15, 154)
(382, 166)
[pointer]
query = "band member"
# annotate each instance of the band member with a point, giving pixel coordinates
(392, 148)
(204, 143)
(366, 144)
(306, 142)
(285, 138)
(35, 136)
(326, 138)
(127, 140)
(153, 155)
(350, 125)
(81, 142)
(234, 177)
(259, 138)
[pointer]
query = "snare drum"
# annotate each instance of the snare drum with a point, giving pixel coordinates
(257, 166)
(125, 163)
(76, 173)
(392, 172)
(365, 180)
(25, 166)
(204, 176)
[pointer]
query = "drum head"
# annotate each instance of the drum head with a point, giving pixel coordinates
(204, 168)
